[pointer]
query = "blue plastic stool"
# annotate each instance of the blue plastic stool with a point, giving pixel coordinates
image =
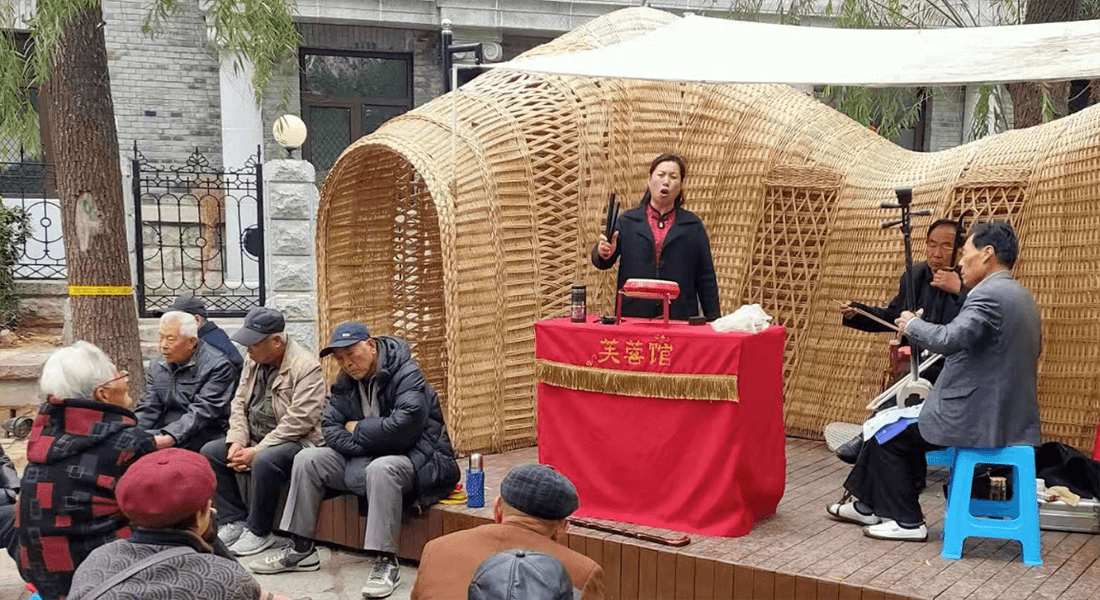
(1014, 519)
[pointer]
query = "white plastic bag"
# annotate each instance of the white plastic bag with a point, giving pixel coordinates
(749, 318)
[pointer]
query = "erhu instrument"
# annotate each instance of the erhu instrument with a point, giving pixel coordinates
(913, 390)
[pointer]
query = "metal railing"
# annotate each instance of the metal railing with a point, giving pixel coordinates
(32, 187)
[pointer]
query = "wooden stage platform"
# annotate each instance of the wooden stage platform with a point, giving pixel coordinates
(798, 553)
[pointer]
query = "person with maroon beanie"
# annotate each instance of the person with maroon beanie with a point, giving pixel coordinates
(82, 441)
(174, 551)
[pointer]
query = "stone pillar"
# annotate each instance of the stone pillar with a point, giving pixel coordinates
(290, 212)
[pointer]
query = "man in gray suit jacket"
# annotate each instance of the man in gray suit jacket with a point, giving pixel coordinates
(986, 396)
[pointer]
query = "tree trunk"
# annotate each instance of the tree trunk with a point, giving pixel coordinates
(1027, 107)
(89, 184)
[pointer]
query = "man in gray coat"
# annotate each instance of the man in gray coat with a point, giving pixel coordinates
(986, 396)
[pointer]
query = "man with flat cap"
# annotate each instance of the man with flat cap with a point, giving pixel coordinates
(166, 497)
(275, 413)
(386, 441)
(530, 513)
(209, 332)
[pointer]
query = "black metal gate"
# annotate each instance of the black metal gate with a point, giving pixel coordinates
(199, 232)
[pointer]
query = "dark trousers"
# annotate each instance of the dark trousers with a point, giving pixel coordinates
(270, 475)
(8, 538)
(886, 476)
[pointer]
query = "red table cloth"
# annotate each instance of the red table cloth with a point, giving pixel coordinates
(678, 427)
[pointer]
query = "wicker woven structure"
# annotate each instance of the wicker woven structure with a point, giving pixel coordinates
(460, 224)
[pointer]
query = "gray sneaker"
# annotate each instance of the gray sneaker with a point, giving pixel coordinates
(250, 543)
(287, 560)
(230, 532)
(384, 577)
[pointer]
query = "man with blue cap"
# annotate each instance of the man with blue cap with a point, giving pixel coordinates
(275, 413)
(386, 441)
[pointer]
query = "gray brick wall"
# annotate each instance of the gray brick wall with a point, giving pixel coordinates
(174, 75)
(945, 118)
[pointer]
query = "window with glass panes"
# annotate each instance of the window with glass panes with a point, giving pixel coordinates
(348, 94)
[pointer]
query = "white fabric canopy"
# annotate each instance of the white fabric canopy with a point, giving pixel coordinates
(723, 51)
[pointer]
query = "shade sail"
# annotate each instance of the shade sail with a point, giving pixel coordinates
(713, 50)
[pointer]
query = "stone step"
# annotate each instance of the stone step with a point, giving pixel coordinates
(41, 306)
(20, 369)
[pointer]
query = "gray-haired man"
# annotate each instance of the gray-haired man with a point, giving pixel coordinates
(187, 392)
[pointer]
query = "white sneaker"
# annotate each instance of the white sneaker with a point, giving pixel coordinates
(890, 530)
(230, 532)
(848, 512)
(384, 577)
(250, 543)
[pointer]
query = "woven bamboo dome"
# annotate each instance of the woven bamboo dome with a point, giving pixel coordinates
(460, 224)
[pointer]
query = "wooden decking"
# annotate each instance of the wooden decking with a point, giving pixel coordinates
(799, 552)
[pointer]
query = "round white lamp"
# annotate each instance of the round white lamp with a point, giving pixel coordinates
(290, 132)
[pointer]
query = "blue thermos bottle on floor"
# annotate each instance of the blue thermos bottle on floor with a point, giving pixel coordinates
(475, 483)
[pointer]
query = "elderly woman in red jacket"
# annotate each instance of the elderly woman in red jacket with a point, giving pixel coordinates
(83, 440)
(659, 239)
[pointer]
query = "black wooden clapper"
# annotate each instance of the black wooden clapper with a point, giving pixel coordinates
(612, 217)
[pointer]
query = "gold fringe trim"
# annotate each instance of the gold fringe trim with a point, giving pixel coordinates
(633, 383)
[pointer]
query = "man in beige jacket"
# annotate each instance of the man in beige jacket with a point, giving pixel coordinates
(276, 412)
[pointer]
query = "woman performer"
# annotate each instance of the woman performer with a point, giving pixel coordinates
(662, 240)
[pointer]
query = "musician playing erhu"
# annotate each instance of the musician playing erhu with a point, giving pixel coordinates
(939, 292)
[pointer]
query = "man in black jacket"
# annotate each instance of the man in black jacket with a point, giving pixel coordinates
(386, 441)
(188, 393)
(939, 292)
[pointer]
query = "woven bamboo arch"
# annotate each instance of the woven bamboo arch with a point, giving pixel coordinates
(459, 243)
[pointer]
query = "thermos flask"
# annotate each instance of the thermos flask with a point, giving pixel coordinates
(578, 312)
(475, 483)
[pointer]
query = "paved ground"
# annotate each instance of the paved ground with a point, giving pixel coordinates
(341, 576)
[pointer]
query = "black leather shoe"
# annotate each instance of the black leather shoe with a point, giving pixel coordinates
(849, 451)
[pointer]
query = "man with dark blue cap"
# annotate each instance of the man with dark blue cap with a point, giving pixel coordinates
(275, 413)
(530, 513)
(209, 332)
(386, 441)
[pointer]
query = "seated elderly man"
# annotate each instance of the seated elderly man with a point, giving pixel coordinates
(985, 397)
(209, 331)
(187, 393)
(83, 440)
(276, 412)
(173, 552)
(386, 441)
(530, 513)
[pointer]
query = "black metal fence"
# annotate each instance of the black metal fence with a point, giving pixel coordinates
(200, 232)
(31, 186)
